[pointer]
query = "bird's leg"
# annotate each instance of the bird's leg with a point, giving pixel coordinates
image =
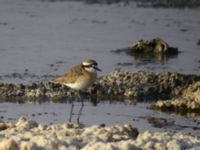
(79, 113)
(81, 108)
(71, 112)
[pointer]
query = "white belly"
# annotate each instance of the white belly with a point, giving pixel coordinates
(80, 85)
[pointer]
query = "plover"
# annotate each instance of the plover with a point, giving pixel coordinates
(79, 78)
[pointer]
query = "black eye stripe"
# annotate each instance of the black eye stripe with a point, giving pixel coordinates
(87, 66)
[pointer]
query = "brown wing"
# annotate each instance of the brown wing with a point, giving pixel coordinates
(71, 76)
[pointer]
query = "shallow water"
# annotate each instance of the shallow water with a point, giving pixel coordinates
(104, 113)
(45, 38)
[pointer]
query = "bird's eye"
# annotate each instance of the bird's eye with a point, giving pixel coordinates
(94, 66)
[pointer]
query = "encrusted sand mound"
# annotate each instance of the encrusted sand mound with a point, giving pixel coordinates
(154, 46)
(136, 86)
(189, 102)
(30, 135)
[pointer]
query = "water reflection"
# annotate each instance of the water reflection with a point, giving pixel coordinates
(146, 58)
(104, 113)
(142, 59)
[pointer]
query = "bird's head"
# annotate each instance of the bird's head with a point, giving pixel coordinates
(90, 65)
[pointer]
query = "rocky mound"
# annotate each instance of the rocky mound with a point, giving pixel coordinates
(30, 135)
(153, 50)
(135, 86)
(189, 102)
(156, 46)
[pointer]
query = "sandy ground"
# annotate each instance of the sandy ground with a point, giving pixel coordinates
(28, 134)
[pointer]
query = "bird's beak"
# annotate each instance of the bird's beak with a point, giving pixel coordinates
(96, 68)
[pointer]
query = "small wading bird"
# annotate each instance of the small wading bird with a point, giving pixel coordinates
(79, 78)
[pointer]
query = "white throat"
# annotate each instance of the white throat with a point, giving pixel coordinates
(91, 69)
